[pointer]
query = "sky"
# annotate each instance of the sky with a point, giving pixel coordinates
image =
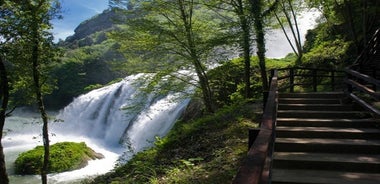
(74, 12)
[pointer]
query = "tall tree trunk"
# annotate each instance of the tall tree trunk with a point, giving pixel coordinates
(293, 28)
(40, 103)
(239, 7)
(364, 22)
(260, 40)
(297, 38)
(205, 87)
(4, 99)
(4, 105)
(246, 36)
(351, 24)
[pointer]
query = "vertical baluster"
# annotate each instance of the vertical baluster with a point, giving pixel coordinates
(314, 80)
(333, 80)
(291, 82)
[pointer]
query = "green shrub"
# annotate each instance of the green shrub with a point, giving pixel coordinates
(64, 156)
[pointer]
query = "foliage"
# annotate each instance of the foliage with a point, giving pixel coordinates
(206, 150)
(227, 83)
(18, 52)
(353, 21)
(64, 156)
(327, 46)
(331, 54)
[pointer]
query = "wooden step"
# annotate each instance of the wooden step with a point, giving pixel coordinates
(327, 161)
(313, 95)
(328, 132)
(294, 176)
(319, 145)
(322, 114)
(309, 101)
(314, 122)
(318, 107)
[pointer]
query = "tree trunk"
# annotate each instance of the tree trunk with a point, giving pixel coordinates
(5, 95)
(4, 105)
(260, 40)
(247, 56)
(40, 103)
(351, 25)
(186, 17)
(295, 31)
(205, 87)
(239, 8)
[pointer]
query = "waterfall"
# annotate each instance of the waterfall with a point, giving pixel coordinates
(117, 121)
(121, 113)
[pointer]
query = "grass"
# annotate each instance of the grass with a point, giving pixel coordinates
(206, 150)
(64, 156)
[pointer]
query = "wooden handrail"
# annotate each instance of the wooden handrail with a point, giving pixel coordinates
(358, 83)
(256, 168)
(363, 77)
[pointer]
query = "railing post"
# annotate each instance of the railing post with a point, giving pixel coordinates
(252, 135)
(291, 82)
(349, 87)
(374, 76)
(314, 80)
(271, 75)
(265, 98)
(333, 80)
(266, 93)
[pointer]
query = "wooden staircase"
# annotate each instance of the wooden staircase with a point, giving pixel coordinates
(320, 139)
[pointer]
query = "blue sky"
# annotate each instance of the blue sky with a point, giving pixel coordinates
(74, 12)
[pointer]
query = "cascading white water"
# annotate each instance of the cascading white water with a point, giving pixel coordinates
(104, 119)
(119, 113)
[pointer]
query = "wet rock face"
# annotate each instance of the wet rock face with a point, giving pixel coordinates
(193, 110)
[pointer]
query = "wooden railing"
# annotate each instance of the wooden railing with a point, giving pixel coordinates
(257, 166)
(362, 77)
(310, 79)
(258, 163)
(369, 57)
(363, 90)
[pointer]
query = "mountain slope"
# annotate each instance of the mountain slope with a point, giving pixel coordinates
(90, 59)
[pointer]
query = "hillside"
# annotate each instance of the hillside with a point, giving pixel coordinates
(86, 54)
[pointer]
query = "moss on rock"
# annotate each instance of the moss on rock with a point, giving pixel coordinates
(64, 156)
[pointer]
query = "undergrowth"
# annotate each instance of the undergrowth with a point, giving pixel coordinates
(206, 150)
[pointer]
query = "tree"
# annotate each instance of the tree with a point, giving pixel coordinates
(167, 36)
(240, 8)
(4, 106)
(258, 15)
(356, 20)
(289, 14)
(36, 50)
(6, 34)
(241, 11)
